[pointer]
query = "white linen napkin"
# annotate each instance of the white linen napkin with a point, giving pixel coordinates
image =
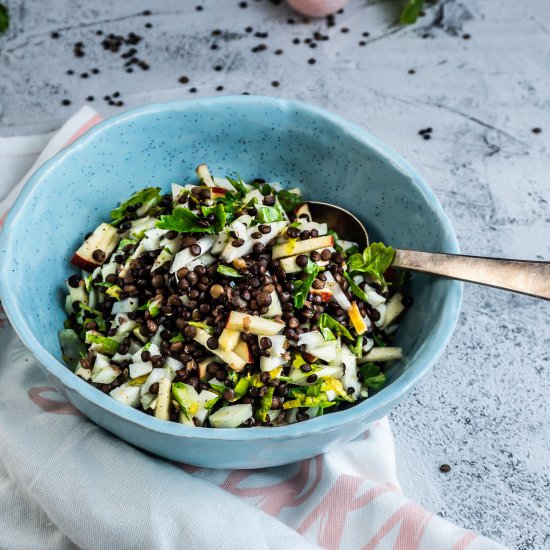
(65, 483)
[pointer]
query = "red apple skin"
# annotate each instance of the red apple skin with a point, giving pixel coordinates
(325, 294)
(83, 263)
(217, 192)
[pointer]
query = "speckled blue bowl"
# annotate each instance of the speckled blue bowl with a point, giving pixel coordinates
(297, 144)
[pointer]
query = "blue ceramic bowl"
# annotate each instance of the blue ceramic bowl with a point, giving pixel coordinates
(297, 144)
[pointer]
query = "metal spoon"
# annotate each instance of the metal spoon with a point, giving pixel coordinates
(524, 277)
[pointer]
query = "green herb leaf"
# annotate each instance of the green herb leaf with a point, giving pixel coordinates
(328, 323)
(375, 259)
(209, 404)
(204, 326)
(239, 186)
(268, 214)
(372, 377)
(411, 11)
(183, 221)
(302, 290)
(355, 288)
(177, 338)
(218, 387)
(4, 18)
(289, 200)
(228, 271)
(379, 341)
(104, 343)
(148, 197)
(219, 211)
(357, 349)
(264, 188)
(265, 405)
(241, 388)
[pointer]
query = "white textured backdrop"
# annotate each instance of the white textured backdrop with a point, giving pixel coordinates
(484, 408)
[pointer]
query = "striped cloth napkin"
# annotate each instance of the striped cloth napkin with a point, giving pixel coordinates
(65, 483)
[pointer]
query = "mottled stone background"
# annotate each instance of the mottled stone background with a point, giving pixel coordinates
(484, 409)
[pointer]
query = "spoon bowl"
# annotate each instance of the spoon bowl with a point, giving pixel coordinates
(523, 277)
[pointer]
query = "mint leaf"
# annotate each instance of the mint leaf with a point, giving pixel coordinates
(355, 288)
(228, 271)
(289, 200)
(183, 221)
(268, 214)
(328, 323)
(302, 290)
(148, 197)
(372, 377)
(411, 11)
(375, 259)
(219, 212)
(4, 18)
(177, 338)
(239, 186)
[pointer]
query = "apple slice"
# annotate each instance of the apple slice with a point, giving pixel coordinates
(236, 362)
(394, 308)
(349, 380)
(231, 416)
(104, 239)
(267, 364)
(290, 266)
(382, 354)
(253, 324)
(204, 175)
(127, 395)
(162, 410)
(279, 344)
(302, 211)
(355, 317)
(337, 292)
(231, 252)
(314, 338)
(229, 339)
(302, 247)
(184, 257)
(274, 308)
(243, 351)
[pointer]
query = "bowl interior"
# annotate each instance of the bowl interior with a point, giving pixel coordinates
(282, 141)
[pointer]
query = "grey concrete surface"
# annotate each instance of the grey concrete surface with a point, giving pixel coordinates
(484, 408)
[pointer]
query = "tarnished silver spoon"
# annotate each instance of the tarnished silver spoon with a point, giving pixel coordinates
(524, 277)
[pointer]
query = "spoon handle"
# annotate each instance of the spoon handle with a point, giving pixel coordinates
(531, 278)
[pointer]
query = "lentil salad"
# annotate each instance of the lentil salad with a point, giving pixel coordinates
(224, 304)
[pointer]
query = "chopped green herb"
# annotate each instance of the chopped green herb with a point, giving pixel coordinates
(228, 271)
(183, 220)
(4, 18)
(147, 198)
(411, 11)
(268, 214)
(355, 288)
(357, 349)
(330, 326)
(372, 377)
(219, 212)
(177, 338)
(265, 405)
(289, 200)
(204, 326)
(302, 290)
(104, 343)
(375, 259)
(239, 186)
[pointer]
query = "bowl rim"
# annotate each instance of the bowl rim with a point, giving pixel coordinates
(388, 396)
